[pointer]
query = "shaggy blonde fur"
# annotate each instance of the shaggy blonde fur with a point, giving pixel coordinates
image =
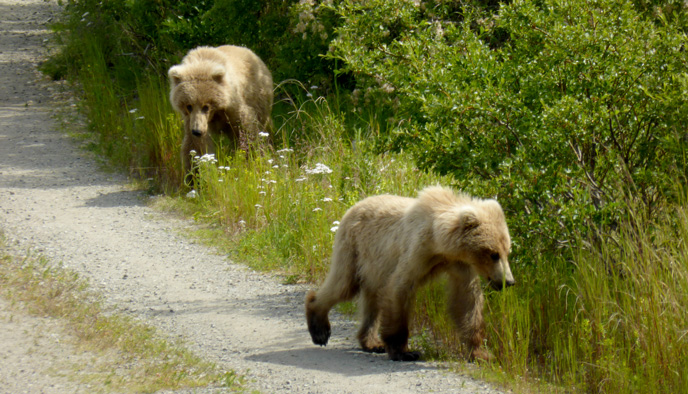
(386, 247)
(225, 90)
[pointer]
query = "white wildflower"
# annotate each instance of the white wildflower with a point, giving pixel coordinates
(334, 229)
(262, 193)
(258, 206)
(208, 158)
(300, 179)
(191, 194)
(316, 209)
(275, 166)
(319, 169)
(133, 111)
(263, 134)
(327, 199)
(285, 150)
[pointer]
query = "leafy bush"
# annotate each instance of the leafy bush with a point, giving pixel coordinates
(555, 107)
(140, 36)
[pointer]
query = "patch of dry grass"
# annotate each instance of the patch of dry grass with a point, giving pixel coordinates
(134, 357)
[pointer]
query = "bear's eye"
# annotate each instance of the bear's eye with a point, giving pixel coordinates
(189, 108)
(205, 109)
(495, 257)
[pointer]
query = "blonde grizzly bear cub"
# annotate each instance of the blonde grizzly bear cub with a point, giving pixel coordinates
(386, 247)
(225, 90)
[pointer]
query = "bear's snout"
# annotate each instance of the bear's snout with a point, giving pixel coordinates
(499, 285)
(196, 132)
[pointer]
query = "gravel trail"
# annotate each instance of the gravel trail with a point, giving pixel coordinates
(54, 200)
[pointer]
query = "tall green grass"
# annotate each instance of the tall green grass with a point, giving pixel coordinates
(136, 132)
(607, 317)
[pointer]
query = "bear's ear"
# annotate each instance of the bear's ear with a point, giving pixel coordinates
(468, 219)
(218, 74)
(175, 75)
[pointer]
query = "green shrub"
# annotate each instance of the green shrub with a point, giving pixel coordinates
(140, 36)
(554, 107)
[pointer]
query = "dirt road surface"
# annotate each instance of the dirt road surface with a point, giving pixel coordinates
(55, 201)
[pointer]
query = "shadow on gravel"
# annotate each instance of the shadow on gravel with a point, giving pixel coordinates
(349, 362)
(122, 198)
(32, 153)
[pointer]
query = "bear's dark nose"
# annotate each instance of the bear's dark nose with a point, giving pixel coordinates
(498, 285)
(196, 132)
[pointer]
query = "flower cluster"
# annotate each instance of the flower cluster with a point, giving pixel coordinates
(319, 168)
(308, 20)
(206, 158)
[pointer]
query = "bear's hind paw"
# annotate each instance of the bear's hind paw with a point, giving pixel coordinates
(321, 337)
(374, 349)
(405, 356)
(319, 329)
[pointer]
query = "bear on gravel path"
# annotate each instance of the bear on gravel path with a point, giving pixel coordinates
(386, 247)
(225, 90)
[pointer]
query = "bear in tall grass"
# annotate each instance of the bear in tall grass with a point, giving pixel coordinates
(387, 246)
(221, 91)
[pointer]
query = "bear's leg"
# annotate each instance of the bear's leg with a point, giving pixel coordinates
(341, 284)
(466, 309)
(317, 320)
(318, 306)
(187, 146)
(201, 145)
(250, 129)
(368, 335)
(395, 321)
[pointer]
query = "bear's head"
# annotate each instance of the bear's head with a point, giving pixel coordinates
(475, 233)
(197, 91)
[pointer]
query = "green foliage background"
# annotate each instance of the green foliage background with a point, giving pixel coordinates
(558, 108)
(571, 113)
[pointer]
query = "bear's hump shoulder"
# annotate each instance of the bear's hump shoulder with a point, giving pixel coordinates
(439, 196)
